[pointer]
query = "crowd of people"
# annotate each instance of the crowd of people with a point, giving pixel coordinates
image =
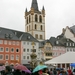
(45, 71)
(54, 71)
(10, 71)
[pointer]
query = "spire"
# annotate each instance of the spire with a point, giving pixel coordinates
(43, 8)
(34, 5)
(26, 10)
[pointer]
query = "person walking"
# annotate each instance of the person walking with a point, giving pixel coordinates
(8, 71)
(54, 71)
(17, 72)
(45, 72)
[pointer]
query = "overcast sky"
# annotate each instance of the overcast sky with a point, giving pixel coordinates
(59, 14)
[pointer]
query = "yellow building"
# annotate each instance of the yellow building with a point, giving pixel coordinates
(46, 48)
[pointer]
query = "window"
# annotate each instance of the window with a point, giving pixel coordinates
(40, 18)
(41, 27)
(13, 42)
(35, 26)
(36, 36)
(70, 44)
(67, 50)
(24, 57)
(29, 19)
(40, 36)
(66, 44)
(36, 18)
(34, 50)
(12, 49)
(9, 42)
(24, 50)
(73, 44)
(27, 57)
(24, 42)
(6, 57)
(12, 57)
(1, 56)
(27, 50)
(48, 48)
(17, 57)
(5, 42)
(74, 50)
(17, 50)
(1, 41)
(7, 49)
(60, 53)
(1, 49)
(48, 54)
(71, 50)
(57, 42)
(27, 43)
(29, 27)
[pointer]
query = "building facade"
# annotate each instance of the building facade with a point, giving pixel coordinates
(46, 48)
(10, 47)
(57, 47)
(35, 21)
(69, 32)
(26, 46)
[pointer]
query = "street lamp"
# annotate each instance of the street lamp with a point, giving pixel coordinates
(33, 56)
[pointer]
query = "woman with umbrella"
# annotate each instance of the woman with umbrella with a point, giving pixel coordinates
(45, 71)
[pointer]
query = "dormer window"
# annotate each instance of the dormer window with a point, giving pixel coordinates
(28, 37)
(57, 42)
(7, 35)
(66, 44)
(10, 35)
(73, 44)
(70, 44)
(58, 37)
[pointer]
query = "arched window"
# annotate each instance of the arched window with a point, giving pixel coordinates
(40, 18)
(36, 18)
(35, 26)
(40, 36)
(29, 27)
(29, 19)
(41, 27)
(36, 36)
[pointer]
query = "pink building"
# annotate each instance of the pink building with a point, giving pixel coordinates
(61, 45)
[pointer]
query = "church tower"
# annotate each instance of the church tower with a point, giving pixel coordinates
(35, 21)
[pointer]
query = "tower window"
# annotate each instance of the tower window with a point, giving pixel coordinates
(29, 27)
(41, 27)
(29, 19)
(35, 26)
(36, 18)
(36, 36)
(40, 36)
(40, 18)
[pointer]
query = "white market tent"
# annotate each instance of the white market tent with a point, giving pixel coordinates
(65, 58)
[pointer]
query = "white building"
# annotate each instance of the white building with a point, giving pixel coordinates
(69, 32)
(26, 46)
